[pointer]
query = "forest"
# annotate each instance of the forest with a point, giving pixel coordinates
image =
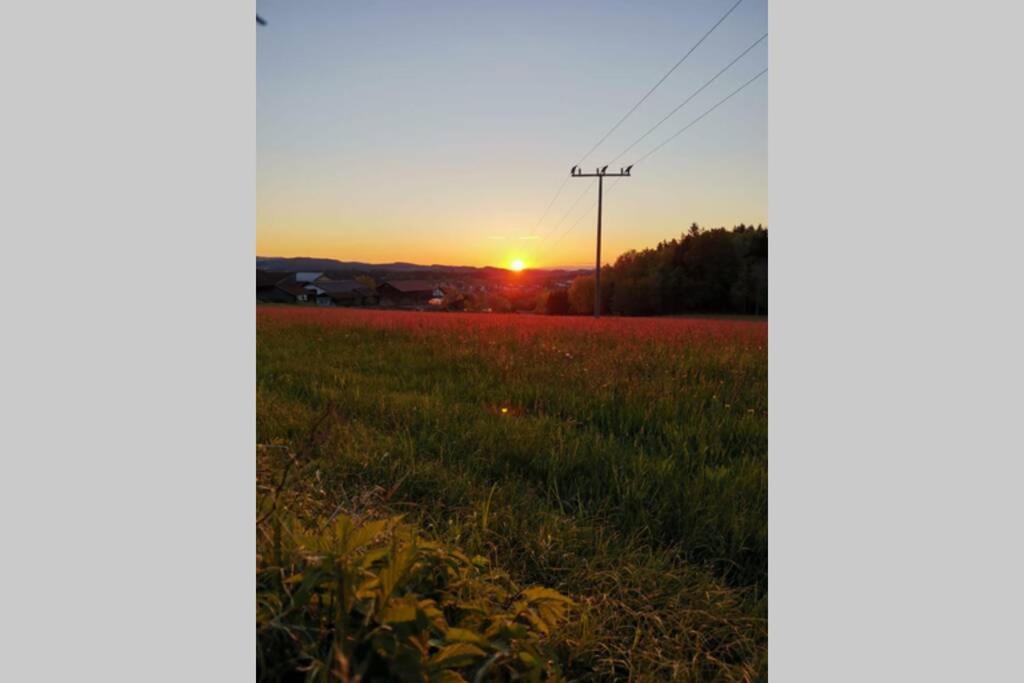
(703, 271)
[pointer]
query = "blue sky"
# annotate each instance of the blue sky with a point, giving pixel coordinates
(439, 132)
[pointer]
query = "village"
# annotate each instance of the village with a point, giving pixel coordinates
(324, 288)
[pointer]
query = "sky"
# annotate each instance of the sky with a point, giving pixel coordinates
(439, 132)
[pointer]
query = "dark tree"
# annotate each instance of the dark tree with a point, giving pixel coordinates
(709, 271)
(557, 302)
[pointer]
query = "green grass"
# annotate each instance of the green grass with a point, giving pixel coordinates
(628, 472)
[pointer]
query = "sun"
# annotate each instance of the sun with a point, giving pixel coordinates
(517, 264)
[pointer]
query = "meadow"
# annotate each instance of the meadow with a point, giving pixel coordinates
(452, 496)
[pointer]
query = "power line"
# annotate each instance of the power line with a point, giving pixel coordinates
(586, 191)
(582, 215)
(691, 123)
(552, 202)
(573, 226)
(561, 187)
(667, 74)
(662, 144)
(684, 102)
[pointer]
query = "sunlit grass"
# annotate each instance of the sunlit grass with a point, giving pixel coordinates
(622, 462)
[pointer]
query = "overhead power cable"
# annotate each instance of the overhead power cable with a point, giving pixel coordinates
(692, 123)
(688, 99)
(586, 190)
(668, 73)
(573, 226)
(552, 202)
(659, 146)
(608, 191)
(662, 80)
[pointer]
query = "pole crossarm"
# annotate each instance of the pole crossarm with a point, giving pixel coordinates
(577, 172)
(599, 173)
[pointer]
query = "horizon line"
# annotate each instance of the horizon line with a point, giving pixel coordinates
(424, 265)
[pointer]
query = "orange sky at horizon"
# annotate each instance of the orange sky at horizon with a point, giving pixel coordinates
(458, 246)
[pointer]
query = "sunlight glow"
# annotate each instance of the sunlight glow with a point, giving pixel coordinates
(517, 264)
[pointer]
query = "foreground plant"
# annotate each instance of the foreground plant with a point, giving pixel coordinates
(376, 601)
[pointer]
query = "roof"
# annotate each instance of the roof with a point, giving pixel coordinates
(293, 288)
(343, 287)
(411, 286)
(307, 276)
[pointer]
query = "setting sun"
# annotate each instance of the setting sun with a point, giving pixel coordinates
(517, 264)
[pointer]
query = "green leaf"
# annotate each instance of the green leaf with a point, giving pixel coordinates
(537, 621)
(506, 629)
(366, 533)
(456, 656)
(529, 660)
(553, 613)
(464, 635)
(402, 561)
(539, 593)
(398, 610)
(372, 556)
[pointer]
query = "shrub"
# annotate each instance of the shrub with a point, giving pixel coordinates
(376, 601)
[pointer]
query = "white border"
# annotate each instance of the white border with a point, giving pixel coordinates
(895, 371)
(127, 492)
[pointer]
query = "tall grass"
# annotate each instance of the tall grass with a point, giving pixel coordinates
(622, 462)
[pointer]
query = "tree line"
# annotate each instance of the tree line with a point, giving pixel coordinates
(703, 271)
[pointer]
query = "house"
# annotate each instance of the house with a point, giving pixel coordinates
(272, 286)
(343, 293)
(408, 293)
(291, 292)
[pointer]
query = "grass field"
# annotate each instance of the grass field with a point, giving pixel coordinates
(619, 462)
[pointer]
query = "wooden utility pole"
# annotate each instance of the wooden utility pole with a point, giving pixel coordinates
(599, 173)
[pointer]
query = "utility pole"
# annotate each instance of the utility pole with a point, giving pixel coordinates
(600, 174)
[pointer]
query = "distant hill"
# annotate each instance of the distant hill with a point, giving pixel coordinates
(304, 263)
